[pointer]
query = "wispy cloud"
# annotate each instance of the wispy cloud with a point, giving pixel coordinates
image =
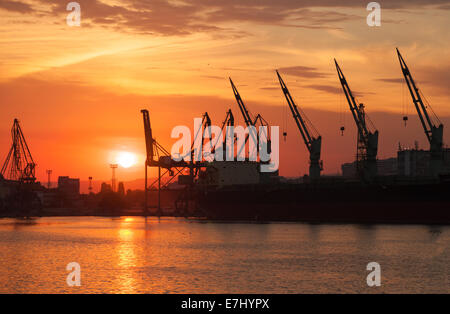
(15, 6)
(303, 71)
(391, 80)
(326, 88)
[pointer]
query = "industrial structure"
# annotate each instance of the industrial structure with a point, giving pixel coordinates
(370, 190)
(18, 186)
(49, 175)
(253, 124)
(237, 190)
(113, 177)
(199, 170)
(227, 125)
(19, 164)
(367, 143)
(313, 142)
(159, 157)
(90, 185)
(433, 130)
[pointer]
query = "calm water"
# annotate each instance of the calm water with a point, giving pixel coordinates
(134, 255)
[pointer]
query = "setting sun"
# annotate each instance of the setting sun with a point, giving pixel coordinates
(126, 159)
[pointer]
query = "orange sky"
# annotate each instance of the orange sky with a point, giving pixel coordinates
(78, 90)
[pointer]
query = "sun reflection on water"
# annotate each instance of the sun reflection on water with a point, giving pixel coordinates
(126, 257)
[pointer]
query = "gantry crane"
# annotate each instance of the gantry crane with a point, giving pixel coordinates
(433, 132)
(252, 123)
(313, 143)
(367, 144)
(158, 156)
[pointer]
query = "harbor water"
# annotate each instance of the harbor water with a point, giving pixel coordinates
(169, 255)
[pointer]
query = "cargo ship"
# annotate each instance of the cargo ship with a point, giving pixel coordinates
(392, 199)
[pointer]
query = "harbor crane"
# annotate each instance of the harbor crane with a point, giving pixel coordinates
(204, 128)
(19, 164)
(226, 124)
(245, 113)
(367, 143)
(433, 131)
(158, 156)
(313, 143)
(251, 122)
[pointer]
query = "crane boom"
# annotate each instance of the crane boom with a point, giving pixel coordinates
(253, 132)
(157, 155)
(203, 128)
(313, 144)
(228, 122)
(433, 133)
(229, 119)
(148, 137)
(354, 108)
(367, 145)
(244, 111)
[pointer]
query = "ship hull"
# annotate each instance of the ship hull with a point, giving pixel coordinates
(415, 204)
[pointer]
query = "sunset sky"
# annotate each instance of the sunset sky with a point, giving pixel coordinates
(78, 91)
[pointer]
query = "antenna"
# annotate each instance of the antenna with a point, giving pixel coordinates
(90, 185)
(113, 179)
(49, 173)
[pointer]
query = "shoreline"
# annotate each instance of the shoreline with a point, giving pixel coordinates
(231, 221)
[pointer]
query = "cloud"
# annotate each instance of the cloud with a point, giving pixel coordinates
(270, 88)
(15, 6)
(326, 88)
(336, 90)
(214, 77)
(391, 80)
(303, 71)
(184, 17)
(436, 77)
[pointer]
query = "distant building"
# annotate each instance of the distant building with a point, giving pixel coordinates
(69, 186)
(121, 189)
(68, 193)
(105, 188)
